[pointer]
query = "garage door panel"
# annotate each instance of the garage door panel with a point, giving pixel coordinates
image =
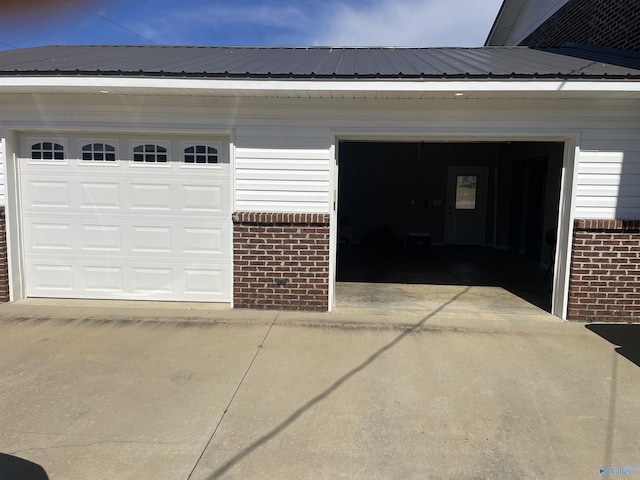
(151, 239)
(151, 196)
(101, 238)
(109, 195)
(127, 231)
(149, 279)
(100, 195)
(103, 279)
(203, 198)
(134, 279)
(77, 278)
(47, 195)
(50, 236)
(211, 240)
(200, 281)
(56, 279)
(174, 238)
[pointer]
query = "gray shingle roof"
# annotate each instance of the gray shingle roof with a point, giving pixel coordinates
(304, 62)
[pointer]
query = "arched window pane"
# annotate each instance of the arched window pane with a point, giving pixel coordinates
(150, 153)
(47, 151)
(200, 154)
(96, 152)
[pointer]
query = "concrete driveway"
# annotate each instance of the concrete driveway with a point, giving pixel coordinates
(162, 391)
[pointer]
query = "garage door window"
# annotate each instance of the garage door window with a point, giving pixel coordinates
(47, 151)
(150, 153)
(200, 154)
(98, 152)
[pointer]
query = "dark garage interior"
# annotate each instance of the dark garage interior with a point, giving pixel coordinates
(450, 213)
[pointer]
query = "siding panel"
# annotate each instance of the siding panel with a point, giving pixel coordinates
(598, 191)
(283, 206)
(272, 161)
(292, 154)
(315, 174)
(282, 186)
(608, 213)
(282, 170)
(608, 184)
(611, 180)
(626, 168)
(608, 201)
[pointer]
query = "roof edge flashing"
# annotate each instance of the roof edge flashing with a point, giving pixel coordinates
(356, 77)
(86, 84)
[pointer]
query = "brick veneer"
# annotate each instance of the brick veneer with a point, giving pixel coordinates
(4, 266)
(605, 271)
(281, 261)
(606, 23)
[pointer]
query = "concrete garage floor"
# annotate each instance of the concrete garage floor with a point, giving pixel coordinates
(105, 390)
(407, 299)
(437, 268)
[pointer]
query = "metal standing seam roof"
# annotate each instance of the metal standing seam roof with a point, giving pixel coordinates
(305, 62)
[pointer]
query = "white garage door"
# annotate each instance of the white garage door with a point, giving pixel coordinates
(126, 218)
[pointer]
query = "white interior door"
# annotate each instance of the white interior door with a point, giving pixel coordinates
(466, 205)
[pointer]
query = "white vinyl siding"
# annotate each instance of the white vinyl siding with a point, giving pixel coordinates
(608, 184)
(282, 173)
(282, 150)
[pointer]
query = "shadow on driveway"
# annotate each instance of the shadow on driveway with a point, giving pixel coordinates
(625, 336)
(14, 468)
(318, 398)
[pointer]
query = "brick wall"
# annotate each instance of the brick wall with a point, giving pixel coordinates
(605, 271)
(281, 261)
(4, 268)
(605, 23)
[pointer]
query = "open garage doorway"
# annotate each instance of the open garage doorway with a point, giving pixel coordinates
(449, 213)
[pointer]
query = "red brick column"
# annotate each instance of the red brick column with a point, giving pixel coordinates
(281, 261)
(605, 271)
(4, 262)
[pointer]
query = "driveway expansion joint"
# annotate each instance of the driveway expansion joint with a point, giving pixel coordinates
(233, 396)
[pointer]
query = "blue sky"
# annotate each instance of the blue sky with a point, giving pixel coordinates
(430, 23)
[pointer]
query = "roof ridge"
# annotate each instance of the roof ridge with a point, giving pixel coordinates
(280, 47)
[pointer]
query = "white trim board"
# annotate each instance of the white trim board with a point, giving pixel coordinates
(101, 85)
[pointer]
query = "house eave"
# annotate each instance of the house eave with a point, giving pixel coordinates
(337, 88)
(504, 23)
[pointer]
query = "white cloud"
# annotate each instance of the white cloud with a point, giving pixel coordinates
(428, 23)
(183, 24)
(263, 15)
